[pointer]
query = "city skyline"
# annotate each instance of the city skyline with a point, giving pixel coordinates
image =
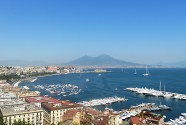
(146, 32)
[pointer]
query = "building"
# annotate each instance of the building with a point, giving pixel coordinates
(53, 112)
(137, 121)
(72, 115)
(85, 116)
(147, 118)
(28, 113)
(24, 93)
(41, 99)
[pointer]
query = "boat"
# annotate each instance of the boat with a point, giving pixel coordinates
(146, 73)
(33, 80)
(26, 87)
(87, 80)
(164, 107)
(135, 72)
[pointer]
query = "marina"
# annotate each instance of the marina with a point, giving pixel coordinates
(157, 93)
(135, 110)
(59, 89)
(181, 120)
(114, 83)
(104, 101)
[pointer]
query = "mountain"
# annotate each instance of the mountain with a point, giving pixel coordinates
(102, 60)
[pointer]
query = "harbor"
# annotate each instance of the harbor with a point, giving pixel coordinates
(181, 120)
(104, 101)
(113, 84)
(59, 89)
(157, 93)
(135, 110)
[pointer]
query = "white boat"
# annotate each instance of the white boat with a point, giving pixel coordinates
(146, 73)
(33, 80)
(164, 107)
(87, 80)
(135, 72)
(26, 87)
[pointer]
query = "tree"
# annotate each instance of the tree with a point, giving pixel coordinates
(1, 121)
(20, 123)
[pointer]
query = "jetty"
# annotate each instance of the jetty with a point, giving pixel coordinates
(181, 120)
(104, 101)
(135, 110)
(157, 93)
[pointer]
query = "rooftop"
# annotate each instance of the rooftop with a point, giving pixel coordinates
(21, 109)
(41, 99)
(136, 120)
(92, 111)
(14, 102)
(4, 95)
(61, 105)
(71, 113)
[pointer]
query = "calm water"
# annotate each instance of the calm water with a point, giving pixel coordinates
(106, 84)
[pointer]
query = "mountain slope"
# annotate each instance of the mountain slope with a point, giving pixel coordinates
(102, 60)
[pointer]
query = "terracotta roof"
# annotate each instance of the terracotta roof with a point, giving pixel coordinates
(71, 113)
(67, 103)
(58, 106)
(41, 99)
(136, 120)
(103, 120)
(92, 111)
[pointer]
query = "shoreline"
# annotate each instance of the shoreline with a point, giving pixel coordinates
(16, 84)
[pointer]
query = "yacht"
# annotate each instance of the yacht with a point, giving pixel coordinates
(33, 80)
(135, 72)
(164, 107)
(146, 73)
(87, 80)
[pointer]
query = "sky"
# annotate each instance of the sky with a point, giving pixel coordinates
(140, 31)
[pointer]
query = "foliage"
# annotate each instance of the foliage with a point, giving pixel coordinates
(1, 121)
(9, 77)
(20, 123)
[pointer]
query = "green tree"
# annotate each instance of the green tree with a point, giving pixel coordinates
(1, 121)
(20, 123)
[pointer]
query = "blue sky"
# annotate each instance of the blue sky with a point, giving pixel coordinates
(141, 31)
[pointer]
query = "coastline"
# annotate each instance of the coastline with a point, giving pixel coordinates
(16, 84)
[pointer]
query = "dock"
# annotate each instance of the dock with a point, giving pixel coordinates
(135, 110)
(104, 101)
(157, 93)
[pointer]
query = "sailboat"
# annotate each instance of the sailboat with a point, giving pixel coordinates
(135, 72)
(146, 73)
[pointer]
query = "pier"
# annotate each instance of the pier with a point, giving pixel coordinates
(178, 121)
(104, 101)
(157, 93)
(135, 110)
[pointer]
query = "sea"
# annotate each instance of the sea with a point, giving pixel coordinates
(114, 83)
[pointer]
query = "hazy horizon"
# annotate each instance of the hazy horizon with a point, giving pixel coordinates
(145, 32)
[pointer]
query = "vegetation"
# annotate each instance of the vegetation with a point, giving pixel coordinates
(13, 77)
(9, 77)
(41, 74)
(20, 123)
(1, 121)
